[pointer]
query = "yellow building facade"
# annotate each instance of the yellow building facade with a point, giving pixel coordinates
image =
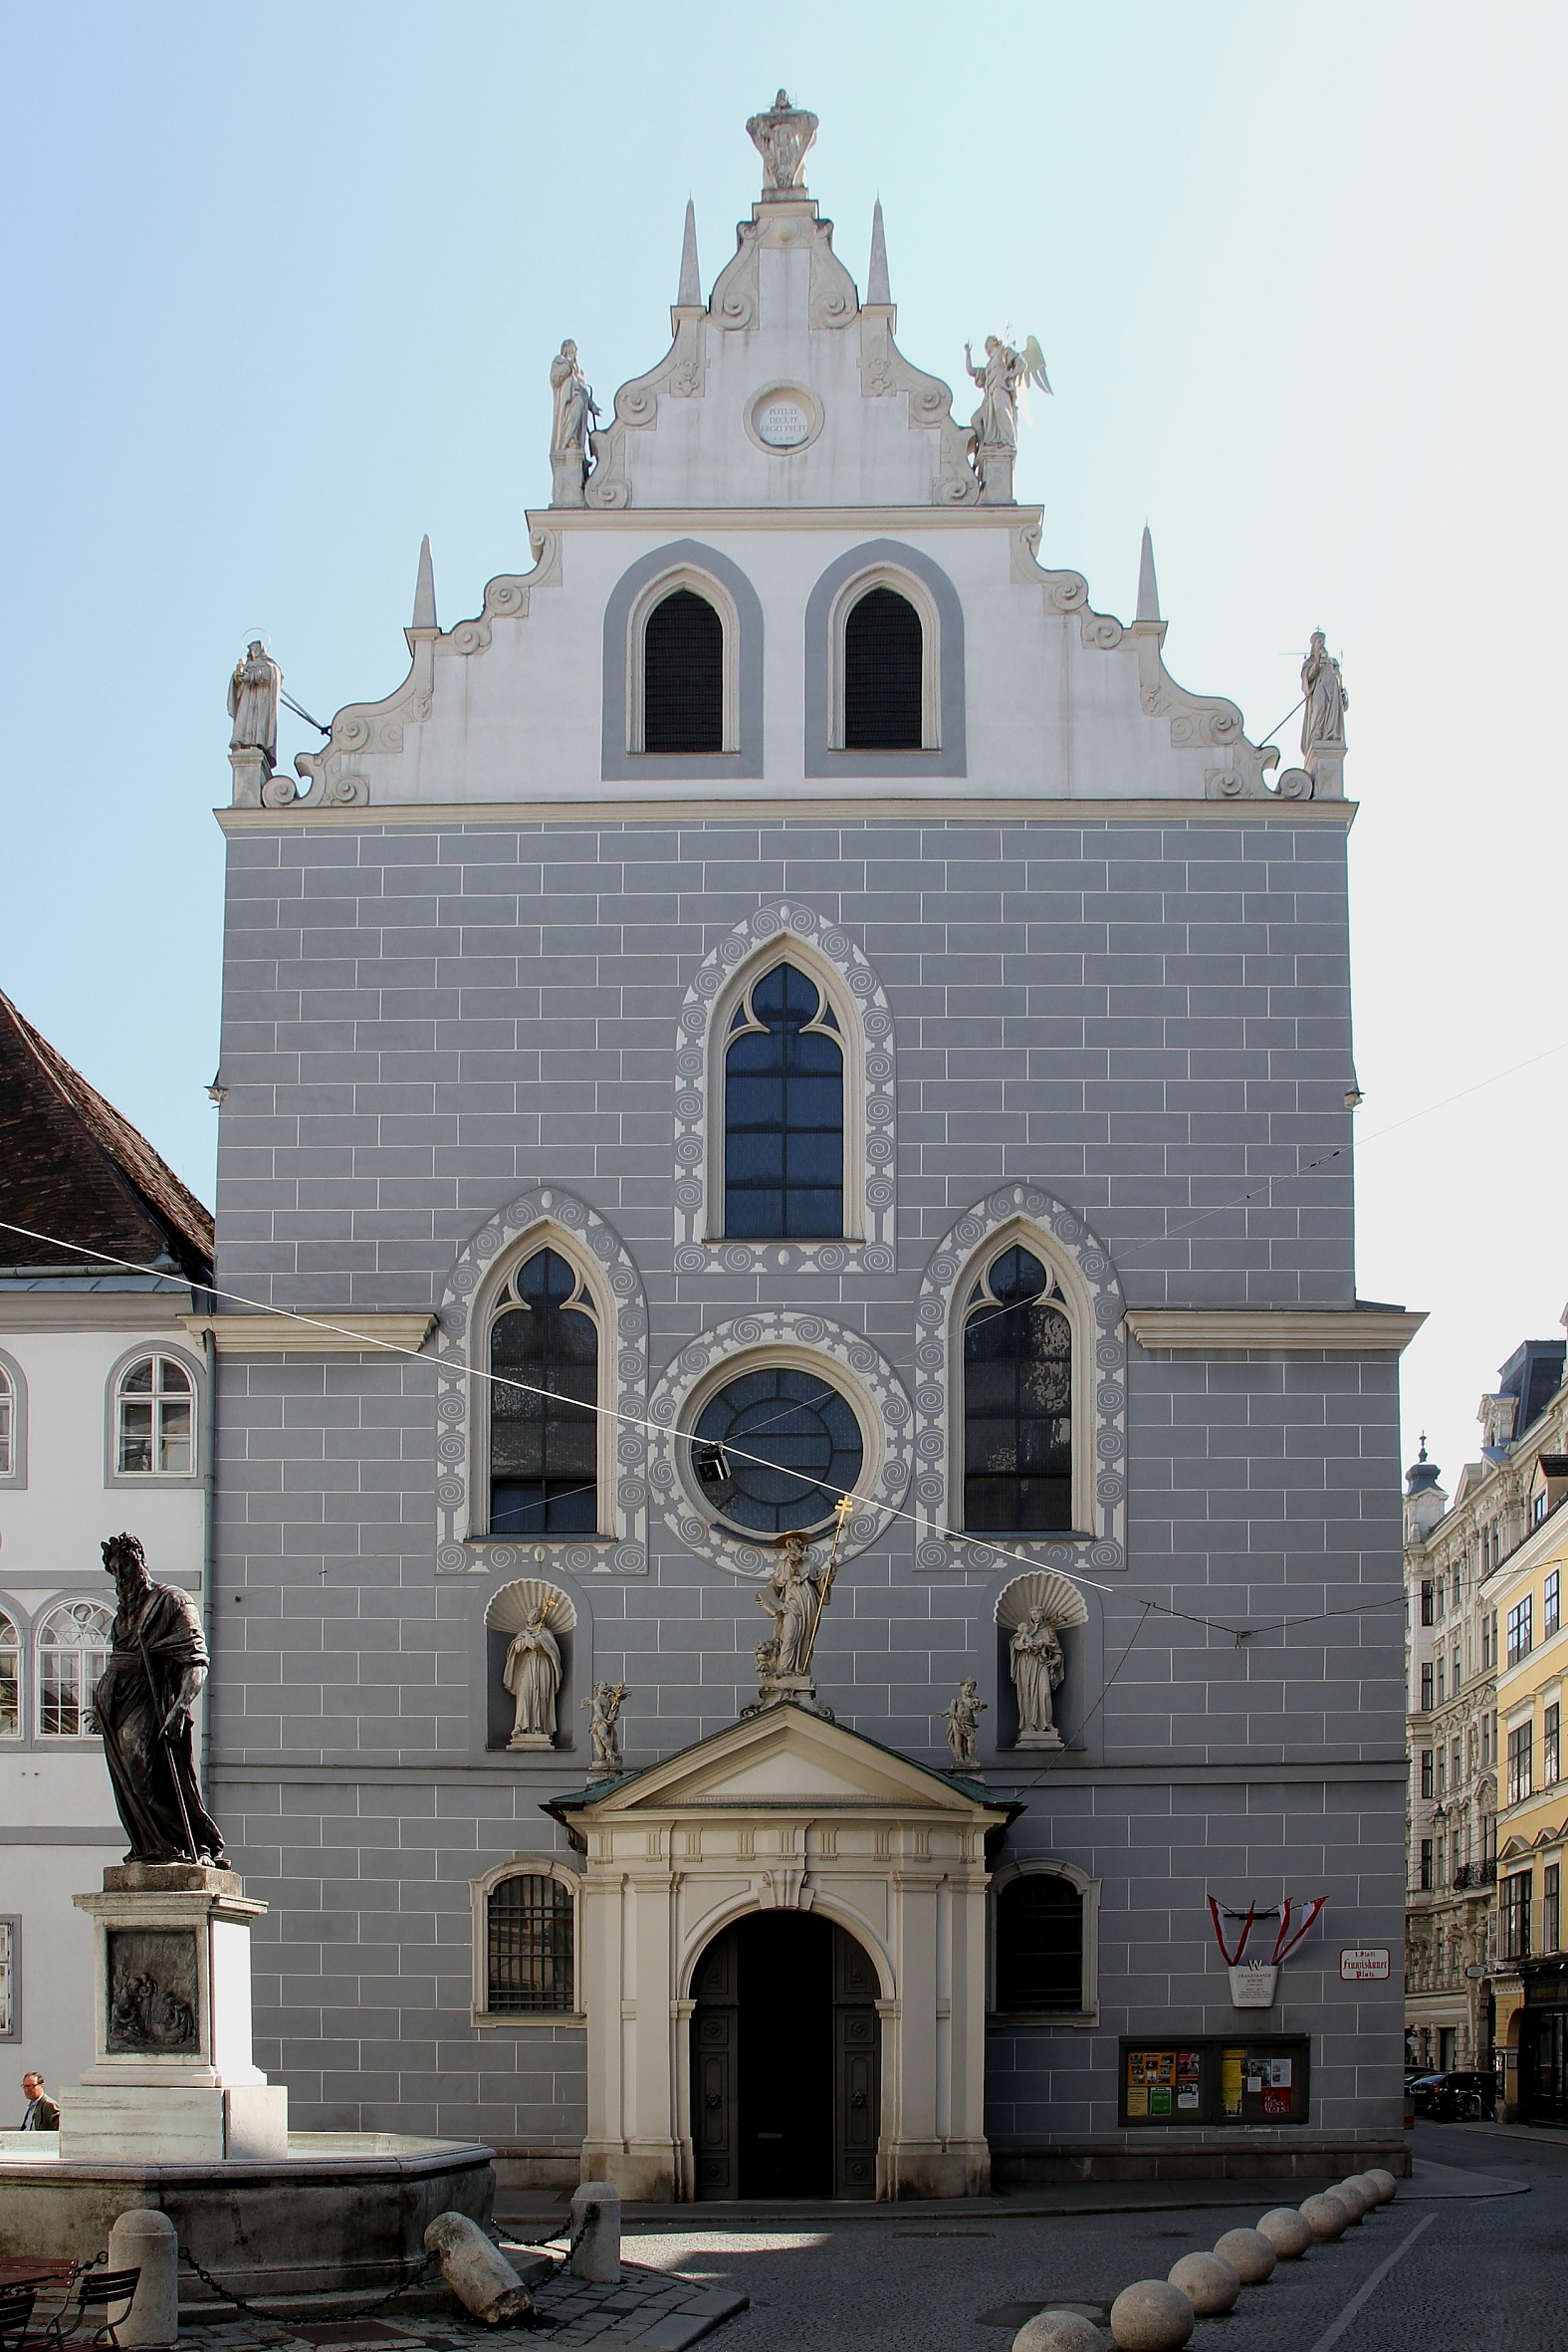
(1527, 1630)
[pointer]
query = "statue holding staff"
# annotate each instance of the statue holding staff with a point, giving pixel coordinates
(533, 1676)
(253, 702)
(143, 1708)
(1039, 1668)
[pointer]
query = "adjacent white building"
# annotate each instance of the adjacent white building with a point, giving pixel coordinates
(102, 1426)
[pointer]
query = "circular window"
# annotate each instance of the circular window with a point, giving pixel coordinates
(787, 1447)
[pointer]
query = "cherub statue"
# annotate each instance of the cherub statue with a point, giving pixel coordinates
(962, 1715)
(1004, 375)
(603, 1707)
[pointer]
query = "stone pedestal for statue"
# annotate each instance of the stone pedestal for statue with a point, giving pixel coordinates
(172, 2078)
(567, 478)
(531, 1739)
(1048, 1738)
(1325, 764)
(251, 771)
(796, 1690)
(995, 462)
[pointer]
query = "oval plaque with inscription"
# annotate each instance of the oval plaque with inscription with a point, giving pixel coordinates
(781, 422)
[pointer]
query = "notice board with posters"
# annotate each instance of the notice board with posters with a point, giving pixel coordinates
(1257, 2078)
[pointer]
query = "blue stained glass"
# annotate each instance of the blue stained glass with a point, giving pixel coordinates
(793, 1444)
(783, 1159)
(543, 1448)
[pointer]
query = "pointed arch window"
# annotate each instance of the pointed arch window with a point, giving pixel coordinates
(683, 675)
(783, 1112)
(544, 1430)
(884, 674)
(1017, 1400)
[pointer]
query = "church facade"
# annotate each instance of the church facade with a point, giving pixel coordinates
(791, 1023)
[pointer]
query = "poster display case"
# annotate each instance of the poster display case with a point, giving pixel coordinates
(1212, 2078)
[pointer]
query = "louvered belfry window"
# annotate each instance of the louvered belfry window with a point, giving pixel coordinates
(683, 676)
(529, 1956)
(885, 658)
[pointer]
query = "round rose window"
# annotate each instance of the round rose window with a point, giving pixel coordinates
(776, 1449)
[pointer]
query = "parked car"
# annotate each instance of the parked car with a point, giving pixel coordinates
(1455, 2097)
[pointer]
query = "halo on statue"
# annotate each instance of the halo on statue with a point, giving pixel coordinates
(1062, 1602)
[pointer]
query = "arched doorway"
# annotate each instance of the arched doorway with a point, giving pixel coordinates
(786, 2074)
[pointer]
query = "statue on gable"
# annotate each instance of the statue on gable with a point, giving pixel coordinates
(1039, 1670)
(962, 1715)
(781, 137)
(1006, 375)
(603, 1707)
(574, 405)
(531, 1675)
(142, 1709)
(1323, 693)
(253, 703)
(794, 1601)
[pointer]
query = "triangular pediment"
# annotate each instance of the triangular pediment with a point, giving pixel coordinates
(787, 1757)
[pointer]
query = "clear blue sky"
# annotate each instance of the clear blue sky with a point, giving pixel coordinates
(282, 287)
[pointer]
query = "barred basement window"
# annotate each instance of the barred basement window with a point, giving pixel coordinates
(1039, 1946)
(683, 676)
(529, 1959)
(884, 674)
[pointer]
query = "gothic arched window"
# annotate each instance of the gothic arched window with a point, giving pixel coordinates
(884, 673)
(543, 1429)
(1039, 1946)
(1017, 1400)
(683, 675)
(783, 1113)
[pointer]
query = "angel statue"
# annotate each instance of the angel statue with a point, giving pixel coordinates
(962, 1715)
(1006, 375)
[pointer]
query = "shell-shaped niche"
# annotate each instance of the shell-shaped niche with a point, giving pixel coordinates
(511, 1607)
(1062, 1602)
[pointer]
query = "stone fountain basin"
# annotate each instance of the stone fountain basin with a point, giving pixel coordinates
(344, 2215)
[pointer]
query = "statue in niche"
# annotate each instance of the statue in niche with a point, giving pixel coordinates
(531, 1674)
(1323, 693)
(575, 405)
(253, 703)
(781, 137)
(1039, 1668)
(142, 1709)
(794, 1600)
(962, 1715)
(603, 1709)
(1001, 380)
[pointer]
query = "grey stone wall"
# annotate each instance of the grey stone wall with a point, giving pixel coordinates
(1147, 1019)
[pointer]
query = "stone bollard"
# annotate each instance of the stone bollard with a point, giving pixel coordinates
(599, 2256)
(1151, 2315)
(1059, 2331)
(144, 2240)
(1250, 2254)
(482, 2279)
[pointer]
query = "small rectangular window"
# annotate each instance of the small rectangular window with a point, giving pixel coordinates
(1442, 1771)
(1429, 1608)
(1426, 1864)
(1522, 1759)
(1551, 1605)
(1426, 1688)
(1549, 1907)
(1521, 1635)
(1427, 1783)
(1514, 1907)
(1551, 1745)
(1454, 1665)
(1440, 1679)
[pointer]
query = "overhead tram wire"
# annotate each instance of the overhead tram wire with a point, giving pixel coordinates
(366, 1340)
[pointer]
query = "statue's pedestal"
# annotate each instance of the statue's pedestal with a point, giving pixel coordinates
(995, 463)
(531, 1739)
(172, 2078)
(1325, 764)
(795, 1689)
(1050, 1737)
(566, 472)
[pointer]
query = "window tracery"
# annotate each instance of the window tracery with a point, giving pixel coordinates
(783, 1112)
(544, 1399)
(1017, 1398)
(70, 1652)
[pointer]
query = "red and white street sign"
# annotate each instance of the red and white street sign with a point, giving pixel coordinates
(1365, 1966)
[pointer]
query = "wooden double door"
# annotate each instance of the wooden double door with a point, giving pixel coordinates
(786, 2073)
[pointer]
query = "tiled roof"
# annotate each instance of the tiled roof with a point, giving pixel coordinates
(72, 1168)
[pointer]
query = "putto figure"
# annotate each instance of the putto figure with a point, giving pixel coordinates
(603, 1709)
(253, 702)
(143, 1707)
(1323, 693)
(781, 137)
(531, 1675)
(962, 1715)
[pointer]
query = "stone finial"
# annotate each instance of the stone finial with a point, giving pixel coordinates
(876, 277)
(424, 590)
(688, 296)
(781, 137)
(1148, 585)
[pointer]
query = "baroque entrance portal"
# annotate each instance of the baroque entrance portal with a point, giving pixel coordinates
(786, 2089)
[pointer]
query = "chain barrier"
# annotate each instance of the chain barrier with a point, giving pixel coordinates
(282, 2318)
